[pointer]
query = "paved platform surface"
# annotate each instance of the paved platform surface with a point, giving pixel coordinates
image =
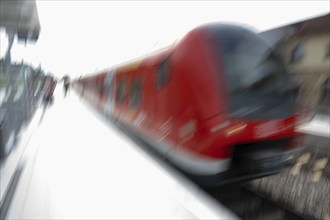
(76, 166)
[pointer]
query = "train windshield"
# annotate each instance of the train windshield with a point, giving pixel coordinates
(257, 82)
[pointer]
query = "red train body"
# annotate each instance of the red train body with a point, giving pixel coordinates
(217, 100)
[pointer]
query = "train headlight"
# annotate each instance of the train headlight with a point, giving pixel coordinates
(236, 129)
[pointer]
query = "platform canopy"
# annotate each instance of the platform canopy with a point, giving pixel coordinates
(20, 17)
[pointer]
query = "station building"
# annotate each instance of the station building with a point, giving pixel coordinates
(304, 48)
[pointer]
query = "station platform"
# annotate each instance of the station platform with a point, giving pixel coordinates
(74, 165)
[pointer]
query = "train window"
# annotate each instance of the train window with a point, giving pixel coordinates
(250, 65)
(325, 97)
(135, 93)
(297, 53)
(121, 91)
(100, 88)
(162, 74)
(327, 50)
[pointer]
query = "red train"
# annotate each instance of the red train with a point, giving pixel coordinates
(218, 104)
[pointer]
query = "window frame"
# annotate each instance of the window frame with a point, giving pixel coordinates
(297, 53)
(327, 51)
(325, 91)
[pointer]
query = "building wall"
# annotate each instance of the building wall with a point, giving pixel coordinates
(312, 70)
(314, 56)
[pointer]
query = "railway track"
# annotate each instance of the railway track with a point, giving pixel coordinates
(301, 193)
(248, 204)
(304, 187)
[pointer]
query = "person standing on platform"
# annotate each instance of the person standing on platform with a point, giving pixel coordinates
(66, 84)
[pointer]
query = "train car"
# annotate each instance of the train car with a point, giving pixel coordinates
(92, 87)
(218, 104)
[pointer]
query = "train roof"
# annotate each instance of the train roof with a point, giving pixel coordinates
(153, 58)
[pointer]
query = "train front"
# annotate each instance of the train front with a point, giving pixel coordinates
(261, 101)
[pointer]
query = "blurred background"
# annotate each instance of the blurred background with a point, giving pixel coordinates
(46, 43)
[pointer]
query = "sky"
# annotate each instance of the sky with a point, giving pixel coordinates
(81, 37)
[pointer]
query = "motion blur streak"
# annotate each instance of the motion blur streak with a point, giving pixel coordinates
(218, 74)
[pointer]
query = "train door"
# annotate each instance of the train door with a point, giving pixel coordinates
(162, 106)
(109, 90)
(136, 114)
